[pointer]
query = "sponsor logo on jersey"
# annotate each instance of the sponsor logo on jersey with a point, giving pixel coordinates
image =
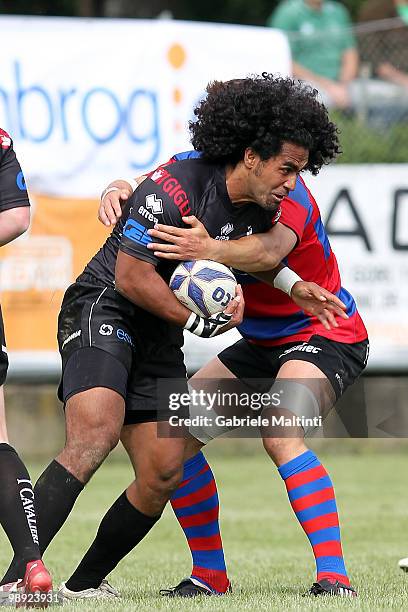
(158, 174)
(154, 203)
(105, 329)
(249, 230)
(304, 348)
(147, 215)
(174, 190)
(225, 230)
(136, 231)
(74, 335)
(5, 141)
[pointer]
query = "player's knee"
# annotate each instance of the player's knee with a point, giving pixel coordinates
(283, 449)
(165, 480)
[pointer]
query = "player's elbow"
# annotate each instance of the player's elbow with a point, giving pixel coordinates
(124, 281)
(132, 276)
(18, 220)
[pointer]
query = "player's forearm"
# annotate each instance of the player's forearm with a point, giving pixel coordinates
(269, 276)
(150, 292)
(249, 254)
(13, 223)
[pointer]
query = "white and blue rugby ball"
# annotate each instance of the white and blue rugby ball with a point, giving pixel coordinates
(204, 286)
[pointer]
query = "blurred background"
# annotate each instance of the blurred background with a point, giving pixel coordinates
(92, 90)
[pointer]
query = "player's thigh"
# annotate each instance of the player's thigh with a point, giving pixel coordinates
(310, 384)
(231, 381)
(304, 393)
(153, 451)
(97, 349)
(212, 371)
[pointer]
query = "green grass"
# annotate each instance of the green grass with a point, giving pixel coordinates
(269, 559)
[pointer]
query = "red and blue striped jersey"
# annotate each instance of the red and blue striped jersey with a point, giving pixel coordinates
(271, 317)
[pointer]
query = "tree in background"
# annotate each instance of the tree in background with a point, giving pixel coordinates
(228, 11)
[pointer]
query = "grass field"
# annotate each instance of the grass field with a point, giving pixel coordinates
(269, 559)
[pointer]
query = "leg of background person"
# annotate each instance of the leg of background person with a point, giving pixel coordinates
(196, 504)
(94, 420)
(309, 487)
(17, 515)
(158, 463)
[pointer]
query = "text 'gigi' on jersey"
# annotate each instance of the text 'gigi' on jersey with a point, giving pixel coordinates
(183, 187)
(13, 191)
(271, 317)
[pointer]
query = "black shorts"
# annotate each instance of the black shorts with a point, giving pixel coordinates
(106, 341)
(341, 363)
(3, 353)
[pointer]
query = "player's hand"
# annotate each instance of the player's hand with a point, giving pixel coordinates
(112, 200)
(182, 243)
(218, 323)
(236, 308)
(318, 302)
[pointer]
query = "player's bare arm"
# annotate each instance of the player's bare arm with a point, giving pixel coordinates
(140, 283)
(113, 197)
(266, 250)
(13, 223)
(255, 253)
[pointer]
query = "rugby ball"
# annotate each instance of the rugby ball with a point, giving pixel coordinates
(205, 287)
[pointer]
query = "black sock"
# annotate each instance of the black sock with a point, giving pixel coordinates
(17, 514)
(55, 491)
(122, 527)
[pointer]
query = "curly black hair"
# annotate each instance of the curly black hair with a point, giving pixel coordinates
(263, 112)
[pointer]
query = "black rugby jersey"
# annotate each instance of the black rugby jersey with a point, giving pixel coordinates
(13, 191)
(176, 189)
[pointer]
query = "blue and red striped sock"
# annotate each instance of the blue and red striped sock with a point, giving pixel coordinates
(311, 495)
(195, 504)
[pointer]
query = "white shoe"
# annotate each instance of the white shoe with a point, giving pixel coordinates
(104, 591)
(12, 587)
(403, 564)
(8, 590)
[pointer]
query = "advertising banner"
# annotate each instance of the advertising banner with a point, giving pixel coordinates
(87, 100)
(365, 210)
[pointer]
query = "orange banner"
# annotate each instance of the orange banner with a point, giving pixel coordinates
(36, 269)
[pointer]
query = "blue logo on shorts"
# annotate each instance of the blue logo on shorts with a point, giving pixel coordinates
(122, 335)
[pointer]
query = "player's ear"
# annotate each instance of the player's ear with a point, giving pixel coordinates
(250, 158)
